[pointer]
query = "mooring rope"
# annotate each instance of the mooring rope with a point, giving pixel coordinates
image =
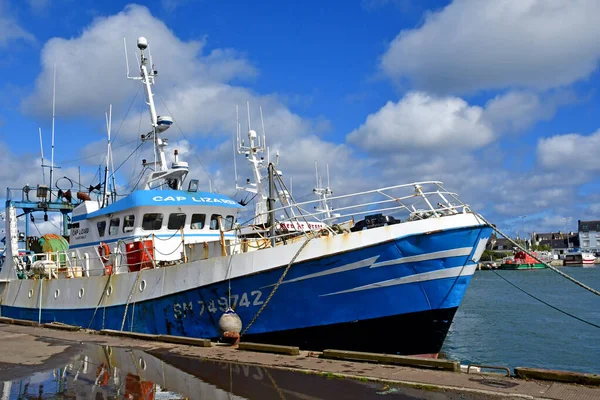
(281, 278)
(137, 279)
(546, 303)
(575, 281)
(100, 302)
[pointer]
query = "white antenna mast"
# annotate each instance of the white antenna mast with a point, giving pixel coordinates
(126, 58)
(262, 121)
(236, 144)
(248, 107)
(42, 151)
(109, 158)
(53, 115)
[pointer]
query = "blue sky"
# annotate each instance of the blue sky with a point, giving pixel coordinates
(497, 99)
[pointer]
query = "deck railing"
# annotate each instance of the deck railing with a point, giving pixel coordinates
(408, 202)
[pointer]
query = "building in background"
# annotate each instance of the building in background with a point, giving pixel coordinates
(589, 235)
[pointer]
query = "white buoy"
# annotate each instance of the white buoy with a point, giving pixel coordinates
(230, 322)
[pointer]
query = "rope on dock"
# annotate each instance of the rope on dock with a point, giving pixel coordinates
(277, 284)
(575, 281)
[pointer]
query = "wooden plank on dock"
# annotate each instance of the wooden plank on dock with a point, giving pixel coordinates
(132, 335)
(407, 361)
(558, 376)
(269, 348)
(185, 340)
(23, 322)
(62, 327)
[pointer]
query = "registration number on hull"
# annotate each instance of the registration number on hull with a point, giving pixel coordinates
(182, 310)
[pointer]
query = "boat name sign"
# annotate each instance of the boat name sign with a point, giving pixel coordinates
(194, 199)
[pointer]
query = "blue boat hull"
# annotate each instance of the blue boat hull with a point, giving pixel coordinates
(319, 305)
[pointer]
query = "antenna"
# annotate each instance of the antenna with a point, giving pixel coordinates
(317, 173)
(238, 127)
(126, 58)
(151, 62)
(109, 153)
(235, 145)
(42, 151)
(53, 115)
(262, 121)
(248, 107)
(327, 176)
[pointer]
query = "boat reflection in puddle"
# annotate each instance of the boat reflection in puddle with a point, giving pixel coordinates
(103, 372)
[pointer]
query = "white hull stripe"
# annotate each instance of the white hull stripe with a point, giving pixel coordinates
(348, 267)
(426, 276)
(463, 251)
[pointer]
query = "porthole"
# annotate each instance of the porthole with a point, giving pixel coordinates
(109, 290)
(56, 293)
(142, 364)
(81, 292)
(30, 293)
(142, 285)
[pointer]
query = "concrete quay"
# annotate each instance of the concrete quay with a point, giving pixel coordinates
(28, 349)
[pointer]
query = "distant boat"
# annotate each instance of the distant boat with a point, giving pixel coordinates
(522, 260)
(579, 258)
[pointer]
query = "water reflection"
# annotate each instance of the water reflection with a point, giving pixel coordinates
(103, 372)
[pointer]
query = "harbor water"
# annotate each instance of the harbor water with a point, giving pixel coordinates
(497, 324)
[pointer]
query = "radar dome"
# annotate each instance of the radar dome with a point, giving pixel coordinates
(142, 43)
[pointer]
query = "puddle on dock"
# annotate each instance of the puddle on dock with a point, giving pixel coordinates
(103, 372)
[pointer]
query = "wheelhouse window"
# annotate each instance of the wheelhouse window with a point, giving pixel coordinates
(198, 221)
(152, 222)
(113, 228)
(176, 221)
(214, 222)
(128, 223)
(228, 222)
(101, 228)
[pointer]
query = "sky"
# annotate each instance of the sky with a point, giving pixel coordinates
(497, 99)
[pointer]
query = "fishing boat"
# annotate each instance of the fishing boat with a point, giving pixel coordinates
(579, 258)
(172, 259)
(522, 260)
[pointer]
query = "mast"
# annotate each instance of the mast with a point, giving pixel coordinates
(53, 115)
(271, 204)
(323, 193)
(175, 175)
(252, 152)
(42, 152)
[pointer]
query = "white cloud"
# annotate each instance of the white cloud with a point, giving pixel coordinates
(10, 29)
(472, 45)
(571, 149)
(423, 121)
(91, 67)
(516, 111)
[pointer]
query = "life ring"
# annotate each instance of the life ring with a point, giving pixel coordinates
(104, 252)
